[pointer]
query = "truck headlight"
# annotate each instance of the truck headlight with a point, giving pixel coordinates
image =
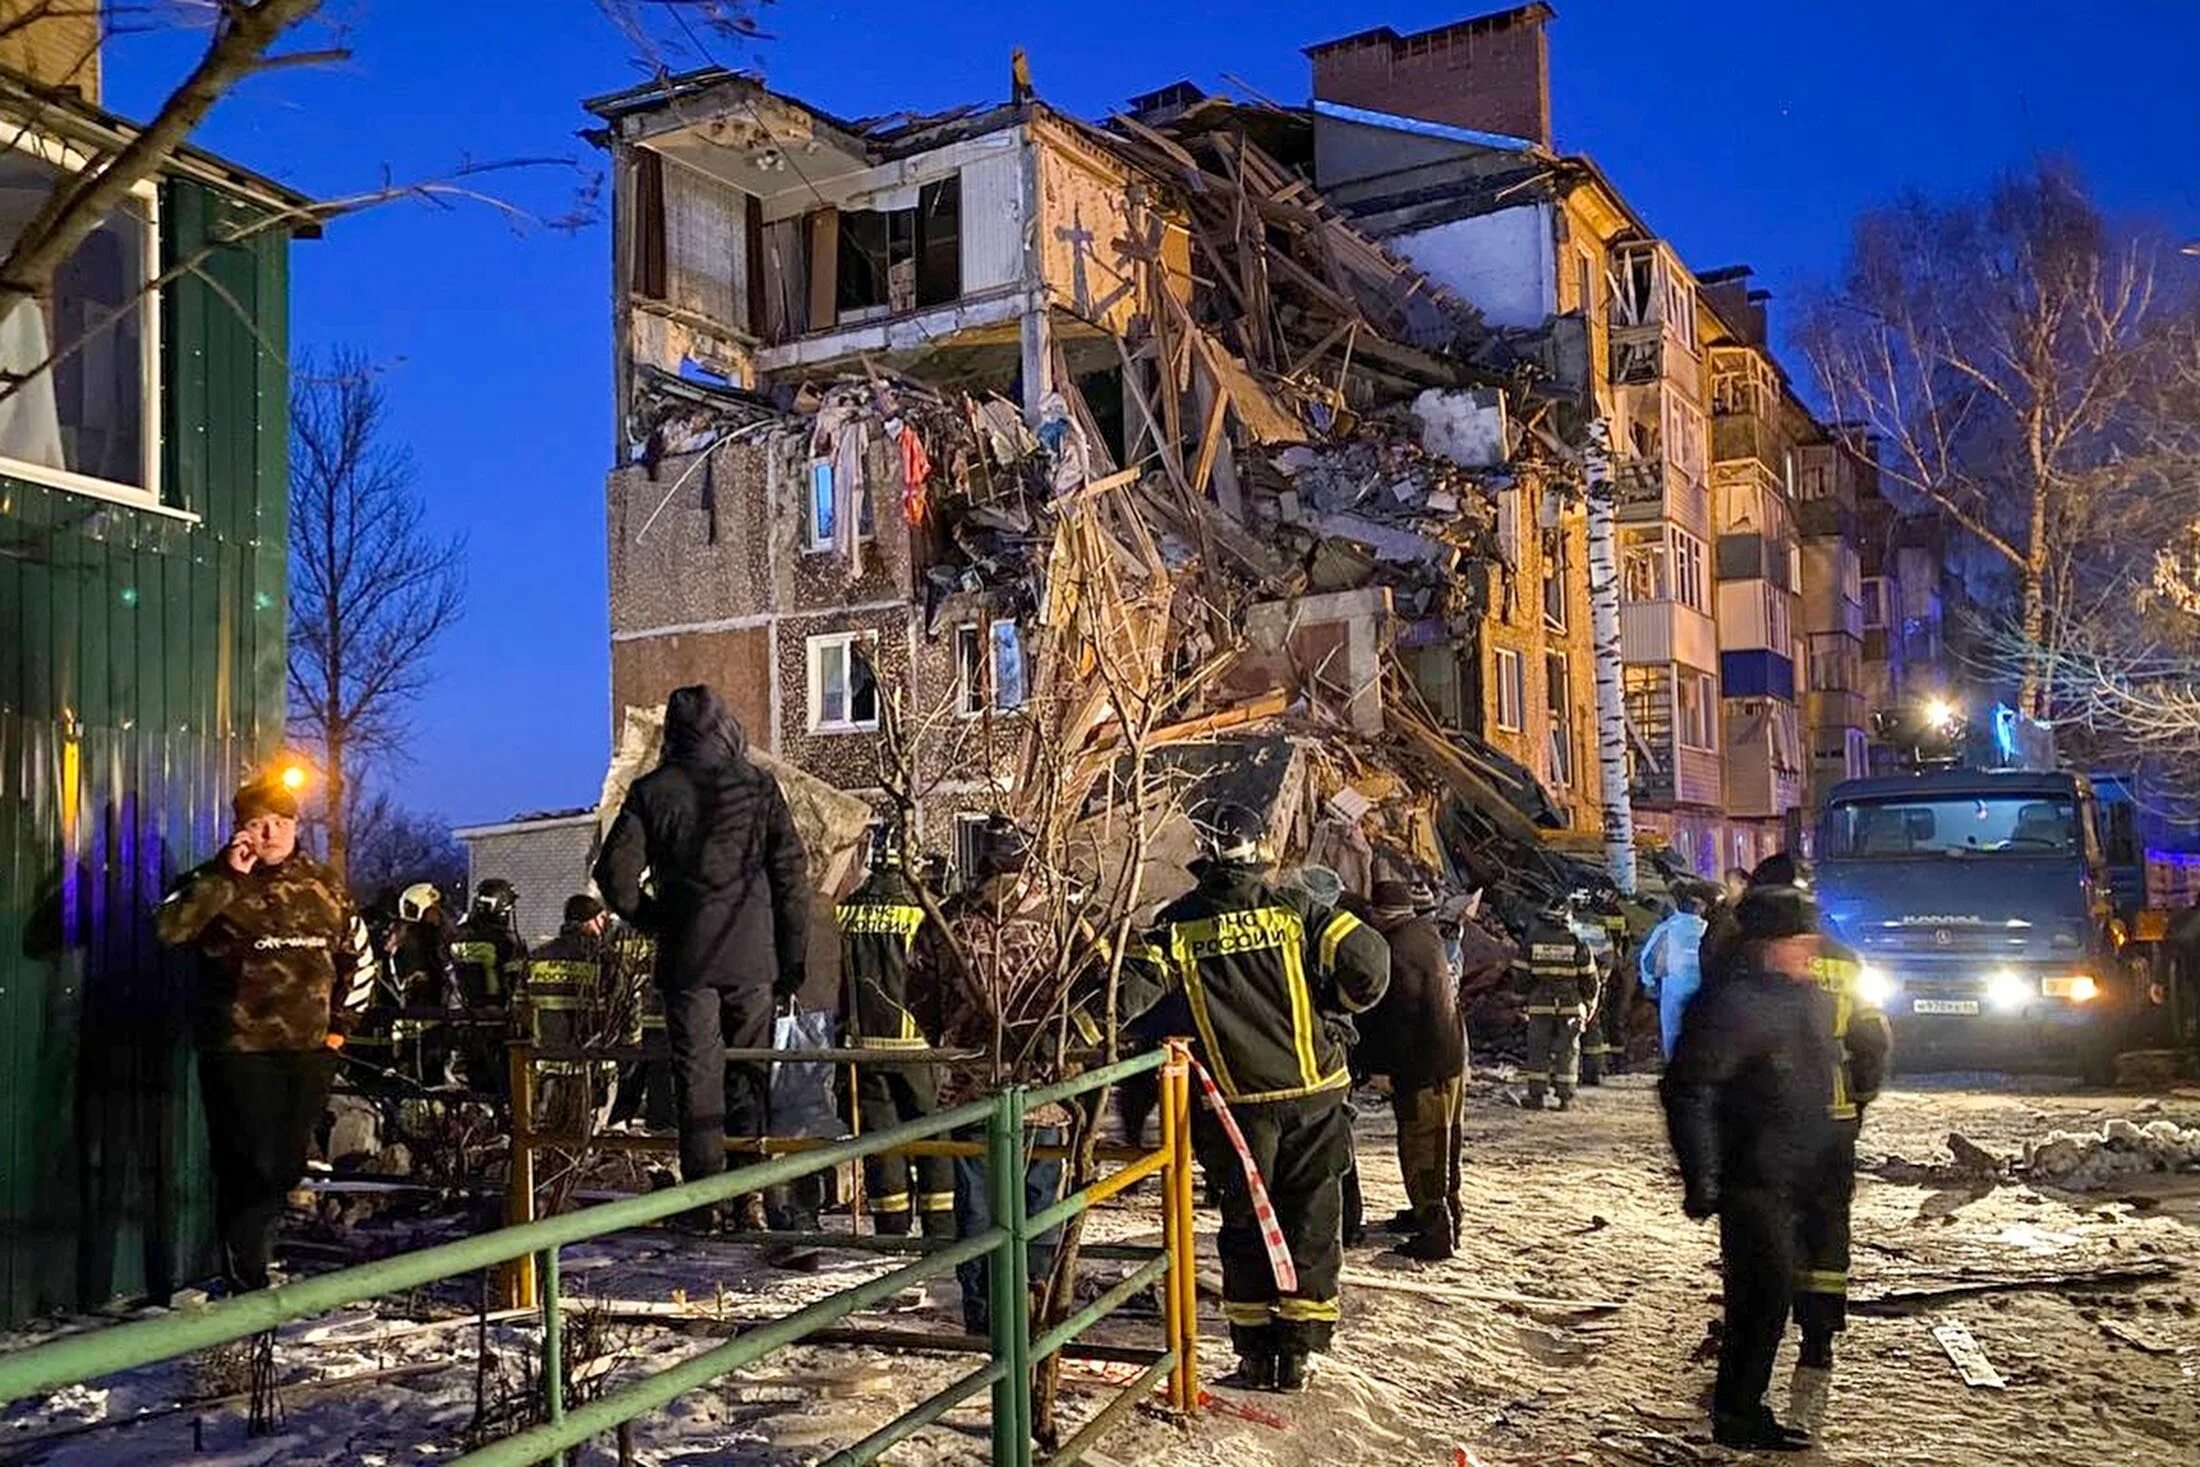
(1873, 986)
(2007, 990)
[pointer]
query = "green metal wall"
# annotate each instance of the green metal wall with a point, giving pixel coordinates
(141, 672)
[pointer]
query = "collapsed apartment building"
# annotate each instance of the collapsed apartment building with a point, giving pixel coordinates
(1308, 386)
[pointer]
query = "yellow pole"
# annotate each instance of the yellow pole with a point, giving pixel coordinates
(1181, 1317)
(519, 1188)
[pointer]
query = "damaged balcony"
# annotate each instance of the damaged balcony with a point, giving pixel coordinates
(1651, 319)
(759, 238)
(1764, 768)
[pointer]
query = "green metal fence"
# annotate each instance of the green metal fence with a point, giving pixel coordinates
(1005, 1246)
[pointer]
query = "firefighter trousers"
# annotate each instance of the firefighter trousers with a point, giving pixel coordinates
(891, 1095)
(1301, 1148)
(1604, 1045)
(1428, 1152)
(1822, 1241)
(716, 1099)
(1757, 1260)
(1554, 1049)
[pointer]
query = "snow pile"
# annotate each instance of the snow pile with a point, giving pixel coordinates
(2083, 1161)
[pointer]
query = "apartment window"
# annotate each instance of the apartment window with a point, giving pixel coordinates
(1008, 665)
(1508, 526)
(901, 259)
(91, 420)
(1643, 571)
(1689, 585)
(1779, 635)
(1512, 691)
(1859, 754)
(1585, 274)
(843, 689)
(1875, 603)
(822, 512)
(1680, 306)
(1554, 579)
(1684, 436)
(969, 671)
(1558, 686)
(1699, 710)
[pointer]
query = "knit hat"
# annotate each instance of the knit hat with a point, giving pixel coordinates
(1393, 898)
(581, 907)
(263, 795)
(1777, 869)
(1769, 913)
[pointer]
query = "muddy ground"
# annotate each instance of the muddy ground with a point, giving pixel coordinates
(1595, 1362)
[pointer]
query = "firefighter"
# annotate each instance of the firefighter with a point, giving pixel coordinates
(1561, 989)
(880, 923)
(568, 1003)
(1865, 1043)
(289, 976)
(418, 955)
(1256, 974)
(1604, 1042)
(1747, 1107)
(488, 965)
(1414, 1038)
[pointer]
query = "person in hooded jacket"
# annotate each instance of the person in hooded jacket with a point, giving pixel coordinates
(727, 902)
(1413, 1036)
(1670, 974)
(1746, 1105)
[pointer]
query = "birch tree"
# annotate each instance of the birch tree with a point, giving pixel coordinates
(1619, 808)
(1997, 346)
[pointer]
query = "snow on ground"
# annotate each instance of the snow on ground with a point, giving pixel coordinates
(1513, 1353)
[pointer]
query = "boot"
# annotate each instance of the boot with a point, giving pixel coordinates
(890, 1224)
(698, 1222)
(1534, 1099)
(749, 1214)
(1565, 1100)
(1405, 1222)
(1428, 1246)
(1761, 1432)
(1290, 1371)
(1817, 1352)
(1255, 1372)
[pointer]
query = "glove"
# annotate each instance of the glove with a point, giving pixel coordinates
(1700, 1203)
(333, 1040)
(787, 984)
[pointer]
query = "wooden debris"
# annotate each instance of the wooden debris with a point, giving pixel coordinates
(1907, 1301)
(2139, 1338)
(1970, 1361)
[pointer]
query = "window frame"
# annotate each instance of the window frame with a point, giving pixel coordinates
(1690, 561)
(970, 695)
(1552, 548)
(1558, 702)
(1705, 719)
(1513, 687)
(815, 649)
(67, 160)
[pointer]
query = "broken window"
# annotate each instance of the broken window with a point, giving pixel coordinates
(820, 512)
(969, 671)
(1699, 711)
(1559, 699)
(1688, 572)
(896, 260)
(1512, 692)
(85, 410)
(1554, 579)
(1008, 666)
(969, 844)
(843, 687)
(648, 278)
(1644, 573)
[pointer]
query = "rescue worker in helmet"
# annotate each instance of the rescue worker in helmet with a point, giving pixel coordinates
(880, 923)
(1604, 1040)
(569, 1003)
(1559, 979)
(418, 949)
(489, 963)
(1259, 975)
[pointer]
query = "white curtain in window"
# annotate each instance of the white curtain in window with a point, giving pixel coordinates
(30, 421)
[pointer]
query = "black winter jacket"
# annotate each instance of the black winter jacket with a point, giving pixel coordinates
(1413, 1034)
(729, 888)
(1748, 1091)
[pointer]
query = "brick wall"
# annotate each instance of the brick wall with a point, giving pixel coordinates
(1491, 73)
(59, 49)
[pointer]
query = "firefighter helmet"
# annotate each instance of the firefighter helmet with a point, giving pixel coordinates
(496, 898)
(416, 901)
(1232, 834)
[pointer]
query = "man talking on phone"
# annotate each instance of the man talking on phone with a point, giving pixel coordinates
(286, 976)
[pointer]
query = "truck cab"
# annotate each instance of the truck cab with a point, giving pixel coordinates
(1981, 905)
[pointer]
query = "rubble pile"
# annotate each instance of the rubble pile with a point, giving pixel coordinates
(2087, 1161)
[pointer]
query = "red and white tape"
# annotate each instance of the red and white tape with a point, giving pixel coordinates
(1271, 1233)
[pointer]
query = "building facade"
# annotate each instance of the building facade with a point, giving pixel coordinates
(143, 511)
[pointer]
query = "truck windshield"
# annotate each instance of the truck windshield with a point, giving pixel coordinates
(1964, 825)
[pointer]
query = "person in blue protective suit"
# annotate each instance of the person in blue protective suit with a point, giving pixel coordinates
(1671, 967)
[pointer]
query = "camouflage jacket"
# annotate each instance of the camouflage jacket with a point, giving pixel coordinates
(286, 954)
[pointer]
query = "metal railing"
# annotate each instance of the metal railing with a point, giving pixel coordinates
(1011, 1352)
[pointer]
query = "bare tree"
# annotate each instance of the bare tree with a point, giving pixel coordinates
(373, 586)
(392, 846)
(2002, 348)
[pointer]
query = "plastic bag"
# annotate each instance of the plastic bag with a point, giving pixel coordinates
(802, 1095)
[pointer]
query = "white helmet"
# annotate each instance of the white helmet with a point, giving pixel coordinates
(415, 901)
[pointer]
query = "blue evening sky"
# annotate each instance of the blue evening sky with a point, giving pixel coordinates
(1743, 133)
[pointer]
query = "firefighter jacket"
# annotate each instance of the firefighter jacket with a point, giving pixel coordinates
(879, 924)
(1747, 1093)
(488, 960)
(1558, 973)
(568, 1000)
(1268, 980)
(288, 956)
(1865, 1039)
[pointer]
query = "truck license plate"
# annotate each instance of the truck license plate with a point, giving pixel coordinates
(1944, 1006)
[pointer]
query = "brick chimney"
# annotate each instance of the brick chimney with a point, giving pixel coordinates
(1491, 73)
(54, 45)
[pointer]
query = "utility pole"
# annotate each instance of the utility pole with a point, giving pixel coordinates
(1619, 808)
